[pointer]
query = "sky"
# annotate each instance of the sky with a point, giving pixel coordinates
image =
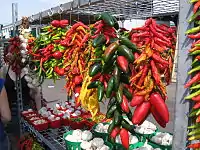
(25, 8)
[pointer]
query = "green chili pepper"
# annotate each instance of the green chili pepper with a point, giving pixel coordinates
(195, 52)
(40, 71)
(193, 30)
(193, 1)
(50, 76)
(193, 113)
(194, 16)
(100, 92)
(196, 131)
(197, 45)
(117, 117)
(198, 112)
(193, 95)
(110, 87)
(119, 94)
(195, 87)
(194, 126)
(194, 61)
(194, 70)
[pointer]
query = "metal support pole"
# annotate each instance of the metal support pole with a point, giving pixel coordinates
(14, 17)
(182, 107)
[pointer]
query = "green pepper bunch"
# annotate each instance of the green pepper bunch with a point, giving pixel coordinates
(193, 83)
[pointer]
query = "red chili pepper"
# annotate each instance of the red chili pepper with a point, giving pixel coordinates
(155, 73)
(159, 35)
(198, 119)
(144, 73)
(194, 36)
(193, 49)
(159, 59)
(85, 38)
(63, 23)
(124, 104)
(161, 42)
(196, 7)
(148, 22)
(157, 117)
(78, 80)
(122, 63)
(115, 132)
(105, 84)
(197, 105)
(166, 28)
(107, 39)
(55, 23)
(197, 57)
(136, 100)
(57, 55)
(97, 76)
(196, 42)
(136, 55)
(167, 75)
(194, 145)
(147, 40)
(141, 34)
(159, 48)
(160, 106)
(195, 79)
(196, 98)
(124, 137)
(141, 112)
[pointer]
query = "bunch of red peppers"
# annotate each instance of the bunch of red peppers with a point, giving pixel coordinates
(193, 83)
(157, 45)
(12, 55)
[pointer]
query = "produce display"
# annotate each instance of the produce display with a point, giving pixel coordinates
(193, 83)
(104, 63)
(162, 139)
(86, 140)
(145, 128)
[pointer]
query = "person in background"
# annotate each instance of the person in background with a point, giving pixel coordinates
(5, 116)
(31, 98)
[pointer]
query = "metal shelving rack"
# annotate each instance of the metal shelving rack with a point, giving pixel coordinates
(53, 138)
(137, 9)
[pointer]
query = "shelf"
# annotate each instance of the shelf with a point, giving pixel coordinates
(53, 138)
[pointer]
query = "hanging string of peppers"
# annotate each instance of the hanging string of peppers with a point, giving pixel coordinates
(193, 83)
(157, 45)
(47, 52)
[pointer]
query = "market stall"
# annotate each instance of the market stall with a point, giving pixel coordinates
(128, 69)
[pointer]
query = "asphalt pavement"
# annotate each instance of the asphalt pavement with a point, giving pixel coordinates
(55, 92)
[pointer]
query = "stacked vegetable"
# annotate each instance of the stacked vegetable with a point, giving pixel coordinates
(193, 83)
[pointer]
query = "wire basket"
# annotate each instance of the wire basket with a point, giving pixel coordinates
(99, 134)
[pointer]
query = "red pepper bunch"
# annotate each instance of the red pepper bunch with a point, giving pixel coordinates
(12, 55)
(193, 83)
(160, 37)
(79, 51)
(47, 52)
(149, 91)
(59, 23)
(101, 28)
